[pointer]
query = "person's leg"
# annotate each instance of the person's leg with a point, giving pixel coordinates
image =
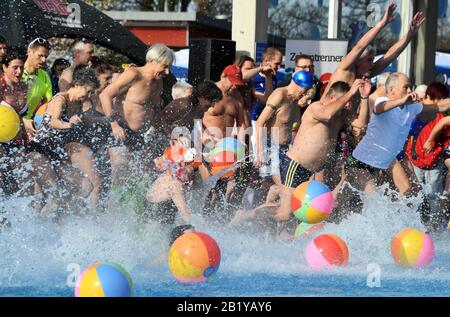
(119, 162)
(82, 157)
(399, 177)
(284, 210)
(44, 175)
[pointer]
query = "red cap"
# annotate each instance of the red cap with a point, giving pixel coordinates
(325, 77)
(234, 74)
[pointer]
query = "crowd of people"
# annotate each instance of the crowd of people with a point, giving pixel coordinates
(86, 126)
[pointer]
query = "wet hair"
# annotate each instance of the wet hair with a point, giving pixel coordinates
(437, 91)
(160, 53)
(84, 76)
(61, 63)
(239, 62)
(12, 54)
(207, 90)
(301, 56)
(339, 87)
(2, 40)
(270, 53)
(101, 65)
(178, 231)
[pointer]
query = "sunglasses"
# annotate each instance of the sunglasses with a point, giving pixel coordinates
(39, 40)
(306, 66)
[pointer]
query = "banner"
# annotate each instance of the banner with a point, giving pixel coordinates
(326, 54)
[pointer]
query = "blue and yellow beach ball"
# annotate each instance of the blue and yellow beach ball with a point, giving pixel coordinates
(104, 279)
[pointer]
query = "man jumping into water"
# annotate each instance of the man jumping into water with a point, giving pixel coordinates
(136, 91)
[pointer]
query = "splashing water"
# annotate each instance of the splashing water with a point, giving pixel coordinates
(42, 257)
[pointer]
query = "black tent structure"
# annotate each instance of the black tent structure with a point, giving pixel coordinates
(24, 20)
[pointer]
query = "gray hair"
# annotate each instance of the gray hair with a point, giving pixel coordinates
(179, 89)
(160, 53)
(392, 80)
(382, 78)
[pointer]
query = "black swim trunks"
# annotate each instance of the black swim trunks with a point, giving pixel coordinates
(134, 141)
(355, 163)
(292, 173)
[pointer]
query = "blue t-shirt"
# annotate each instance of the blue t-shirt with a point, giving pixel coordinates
(259, 83)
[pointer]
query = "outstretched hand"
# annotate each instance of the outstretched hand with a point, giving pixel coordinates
(417, 21)
(389, 15)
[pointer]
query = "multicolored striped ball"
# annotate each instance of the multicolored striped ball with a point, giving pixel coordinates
(312, 202)
(194, 257)
(104, 279)
(412, 248)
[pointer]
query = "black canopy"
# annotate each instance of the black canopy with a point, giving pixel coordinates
(23, 20)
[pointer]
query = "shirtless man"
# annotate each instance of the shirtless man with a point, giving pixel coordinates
(317, 137)
(137, 91)
(82, 53)
(220, 120)
(277, 117)
(358, 63)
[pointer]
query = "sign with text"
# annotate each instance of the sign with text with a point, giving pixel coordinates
(326, 54)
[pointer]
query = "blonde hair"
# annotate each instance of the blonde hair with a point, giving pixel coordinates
(160, 53)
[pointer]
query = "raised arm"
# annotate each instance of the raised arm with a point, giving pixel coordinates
(443, 105)
(326, 112)
(352, 57)
(363, 111)
(249, 74)
(391, 104)
(273, 103)
(398, 47)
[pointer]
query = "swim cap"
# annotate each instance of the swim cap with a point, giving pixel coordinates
(303, 79)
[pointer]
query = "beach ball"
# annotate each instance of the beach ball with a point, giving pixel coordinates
(39, 116)
(305, 229)
(104, 279)
(194, 257)
(9, 124)
(229, 144)
(325, 251)
(226, 152)
(312, 202)
(412, 248)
